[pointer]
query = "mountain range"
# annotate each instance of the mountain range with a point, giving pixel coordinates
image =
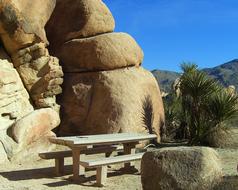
(226, 74)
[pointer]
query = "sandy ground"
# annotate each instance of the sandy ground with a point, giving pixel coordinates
(39, 175)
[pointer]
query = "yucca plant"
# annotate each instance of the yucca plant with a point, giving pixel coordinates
(206, 105)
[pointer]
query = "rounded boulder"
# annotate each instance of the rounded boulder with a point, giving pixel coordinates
(123, 100)
(184, 168)
(78, 19)
(103, 52)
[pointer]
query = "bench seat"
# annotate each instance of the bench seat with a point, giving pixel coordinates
(111, 160)
(101, 164)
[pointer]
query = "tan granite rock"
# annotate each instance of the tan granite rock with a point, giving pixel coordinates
(22, 22)
(103, 52)
(123, 100)
(78, 19)
(14, 99)
(41, 73)
(34, 126)
(31, 152)
(184, 168)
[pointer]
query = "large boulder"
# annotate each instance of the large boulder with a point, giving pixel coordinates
(22, 22)
(124, 100)
(183, 168)
(76, 19)
(34, 125)
(103, 52)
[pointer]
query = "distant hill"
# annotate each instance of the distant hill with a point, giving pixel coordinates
(165, 79)
(226, 74)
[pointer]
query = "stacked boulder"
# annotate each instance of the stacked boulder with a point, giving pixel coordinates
(105, 90)
(29, 78)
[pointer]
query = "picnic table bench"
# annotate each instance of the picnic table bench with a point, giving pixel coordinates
(91, 144)
(60, 155)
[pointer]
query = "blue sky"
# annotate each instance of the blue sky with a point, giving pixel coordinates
(173, 31)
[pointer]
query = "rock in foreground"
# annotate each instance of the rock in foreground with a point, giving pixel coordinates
(181, 168)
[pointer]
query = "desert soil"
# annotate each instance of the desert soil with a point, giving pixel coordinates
(39, 175)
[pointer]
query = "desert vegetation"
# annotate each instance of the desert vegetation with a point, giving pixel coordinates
(198, 107)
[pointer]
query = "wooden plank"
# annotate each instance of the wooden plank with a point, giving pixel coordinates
(111, 160)
(68, 153)
(102, 139)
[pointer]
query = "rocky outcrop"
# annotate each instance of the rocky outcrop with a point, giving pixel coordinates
(14, 99)
(23, 35)
(103, 52)
(18, 119)
(74, 19)
(33, 72)
(41, 75)
(105, 90)
(111, 102)
(185, 168)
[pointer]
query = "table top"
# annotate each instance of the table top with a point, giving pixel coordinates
(104, 139)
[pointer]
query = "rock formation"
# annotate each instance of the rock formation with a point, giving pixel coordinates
(185, 168)
(105, 90)
(29, 78)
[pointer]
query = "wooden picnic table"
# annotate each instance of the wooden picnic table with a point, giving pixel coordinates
(79, 143)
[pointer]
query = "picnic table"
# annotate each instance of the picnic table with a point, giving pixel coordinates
(81, 143)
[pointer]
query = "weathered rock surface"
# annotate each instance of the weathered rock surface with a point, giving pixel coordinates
(76, 19)
(41, 74)
(103, 52)
(14, 99)
(22, 22)
(223, 139)
(30, 152)
(184, 168)
(111, 102)
(34, 125)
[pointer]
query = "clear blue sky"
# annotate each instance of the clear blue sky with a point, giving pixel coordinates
(173, 31)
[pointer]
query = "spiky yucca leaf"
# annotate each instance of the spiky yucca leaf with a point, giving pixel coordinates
(222, 106)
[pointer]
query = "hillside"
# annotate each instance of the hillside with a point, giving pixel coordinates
(165, 79)
(226, 74)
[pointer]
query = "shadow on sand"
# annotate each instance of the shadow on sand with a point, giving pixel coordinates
(40, 173)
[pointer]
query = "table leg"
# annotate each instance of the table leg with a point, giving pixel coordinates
(129, 148)
(76, 159)
(81, 168)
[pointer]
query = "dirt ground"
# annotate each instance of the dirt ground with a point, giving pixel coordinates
(39, 175)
